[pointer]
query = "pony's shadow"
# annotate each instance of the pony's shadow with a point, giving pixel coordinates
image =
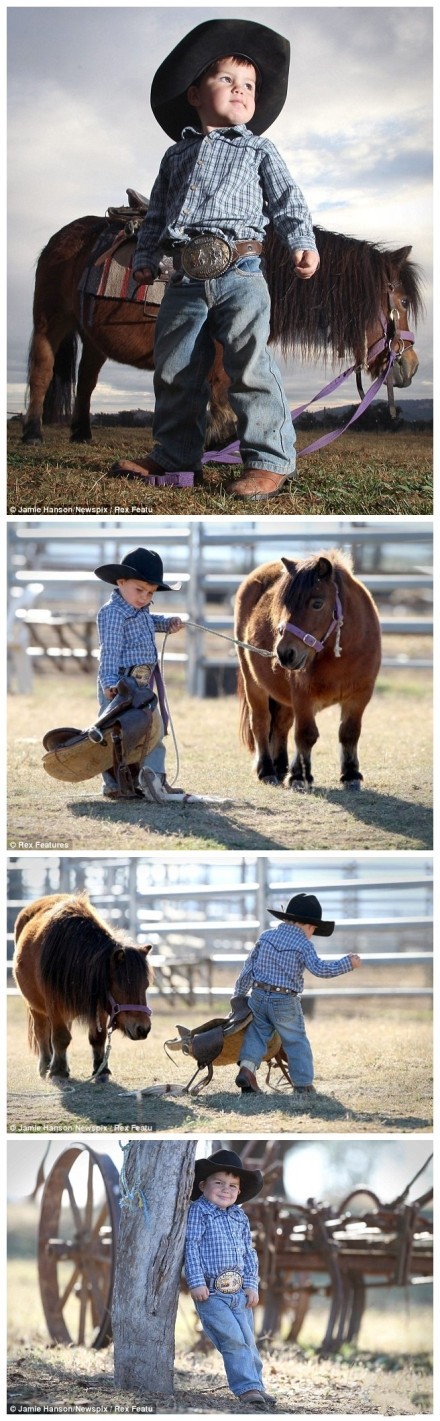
(107, 1104)
(187, 820)
(383, 810)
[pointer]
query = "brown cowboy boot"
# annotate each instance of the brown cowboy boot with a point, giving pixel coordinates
(247, 1081)
(258, 483)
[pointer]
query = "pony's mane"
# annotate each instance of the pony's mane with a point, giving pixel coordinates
(293, 592)
(327, 318)
(77, 948)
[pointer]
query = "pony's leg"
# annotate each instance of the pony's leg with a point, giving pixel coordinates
(45, 343)
(260, 726)
(61, 1038)
(281, 723)
(90, 365)
(306, 735)
(41, 1039)
(349, 732)
(98, 1038)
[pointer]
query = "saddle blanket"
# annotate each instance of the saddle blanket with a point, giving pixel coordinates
(108, 273)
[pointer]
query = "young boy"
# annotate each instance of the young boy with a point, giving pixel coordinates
(217, 190)
(127, 630)
(274, 972)
(221, 1268)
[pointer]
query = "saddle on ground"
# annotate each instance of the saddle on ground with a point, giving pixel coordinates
(218, 1042)
(123, 734)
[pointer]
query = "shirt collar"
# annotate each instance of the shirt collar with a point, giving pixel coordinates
(231, 130)
(118, 601)
(214, 1208)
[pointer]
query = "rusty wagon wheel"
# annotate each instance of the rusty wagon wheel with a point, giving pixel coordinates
(77, 1245)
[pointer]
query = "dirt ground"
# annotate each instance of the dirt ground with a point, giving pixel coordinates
(299, 1383)
(392, 811)
(373, 1073)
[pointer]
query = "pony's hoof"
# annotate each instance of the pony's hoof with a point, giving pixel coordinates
(269, 780)
(300, 786)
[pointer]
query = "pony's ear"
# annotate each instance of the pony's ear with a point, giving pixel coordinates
(119, 954)
(401, 256)
(145, 948)
(324, 568)
(290, 567)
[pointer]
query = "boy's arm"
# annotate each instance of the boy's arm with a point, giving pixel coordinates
(111, 638)
(167, 624)
(147, 254)
(286, 205)
(334, 968)
(250, 1276)
(245, 980)
(193, 1265)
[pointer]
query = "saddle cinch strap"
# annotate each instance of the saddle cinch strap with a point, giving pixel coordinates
(126, 731)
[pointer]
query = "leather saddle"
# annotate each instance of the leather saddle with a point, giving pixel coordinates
(218, 1043)
(124, 732)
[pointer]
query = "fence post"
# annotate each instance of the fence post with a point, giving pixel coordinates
(194, 637)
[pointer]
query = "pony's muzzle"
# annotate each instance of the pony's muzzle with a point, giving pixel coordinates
(292, 658)
(137, 1030)
(405, 368)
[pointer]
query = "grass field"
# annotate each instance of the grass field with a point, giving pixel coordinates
(388, 1374)
(358, 474)
(393, 810)
(373, 1074)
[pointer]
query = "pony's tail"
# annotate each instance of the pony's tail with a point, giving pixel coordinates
(245, 731)
(33, 1043)
(58, 400)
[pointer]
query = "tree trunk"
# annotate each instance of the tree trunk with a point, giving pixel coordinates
(149, 1263)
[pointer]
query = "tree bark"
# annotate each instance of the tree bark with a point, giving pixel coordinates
(149, 1263)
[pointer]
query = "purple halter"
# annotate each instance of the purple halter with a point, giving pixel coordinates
(307, 637)
(115, 1008)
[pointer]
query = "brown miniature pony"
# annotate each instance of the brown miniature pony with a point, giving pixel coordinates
(360, 293)
(68, 964)
(323, 629)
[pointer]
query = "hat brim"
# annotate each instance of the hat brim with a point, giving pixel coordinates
(322, 929)
(209, 41)
(112, 572)
(252, 1180)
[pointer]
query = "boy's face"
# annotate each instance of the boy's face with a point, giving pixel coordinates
(221, 1188)
(226, 97)
(135, 592)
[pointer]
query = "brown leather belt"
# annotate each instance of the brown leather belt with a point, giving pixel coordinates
(206, 255)
(286, 991)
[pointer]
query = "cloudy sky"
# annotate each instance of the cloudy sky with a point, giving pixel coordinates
(355, 132)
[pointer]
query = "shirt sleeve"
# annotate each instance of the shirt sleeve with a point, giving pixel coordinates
(250, 1275)
(148, 251)
(245, 980)
(160, 624)
(319, 968)
(111, 639)
(194, 1274)
(284, 201)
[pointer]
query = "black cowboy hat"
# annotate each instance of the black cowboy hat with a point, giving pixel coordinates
(212, 40)
(145, 565)
(251, 1180)
(305, 908)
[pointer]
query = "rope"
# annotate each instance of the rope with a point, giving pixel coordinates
(105, 1056)
(132, 1198)
(247, 647)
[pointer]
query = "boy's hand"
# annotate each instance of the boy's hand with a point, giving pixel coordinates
(200, 1294)
(175, 624)
(305, 263)
(355, 960)
(252, 1297)
(110, 692)
(144, 274)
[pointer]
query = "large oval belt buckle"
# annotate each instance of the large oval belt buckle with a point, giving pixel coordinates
(206, 257)
(228, 1282)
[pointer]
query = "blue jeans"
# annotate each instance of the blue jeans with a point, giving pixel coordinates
(274, 1011)
(155, 761)
(235, 310)
(230, 1326)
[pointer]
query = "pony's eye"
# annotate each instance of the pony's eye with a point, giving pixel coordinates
(317, 603)
(404, 302)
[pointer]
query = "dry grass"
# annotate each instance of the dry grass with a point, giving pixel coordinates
(373, 1073)
(359, 474)
(393, 811)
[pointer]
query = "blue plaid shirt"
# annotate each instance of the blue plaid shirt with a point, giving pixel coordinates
(126, 638)
(232, 183)
(280, 957)
(217, 1239)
